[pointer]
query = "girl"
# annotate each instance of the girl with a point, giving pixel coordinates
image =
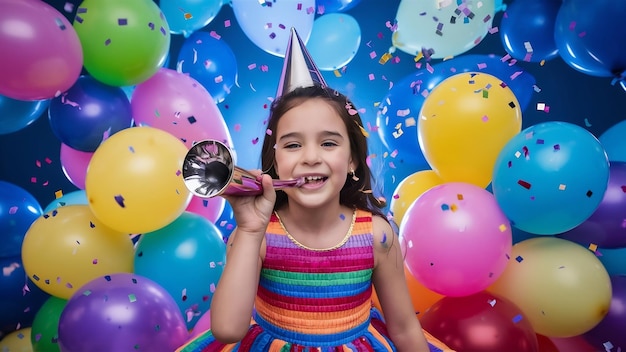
(302, 261)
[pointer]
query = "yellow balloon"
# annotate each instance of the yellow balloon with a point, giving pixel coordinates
(17, 341)
(562, 288)
(134, 182)
(409, 189)
(464, 123)
(68, 247)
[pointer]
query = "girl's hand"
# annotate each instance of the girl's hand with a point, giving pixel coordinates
(252, 214)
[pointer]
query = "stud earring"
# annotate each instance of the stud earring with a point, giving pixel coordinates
(353, 175)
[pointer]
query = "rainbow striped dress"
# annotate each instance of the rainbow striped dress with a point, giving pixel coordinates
(313, 300)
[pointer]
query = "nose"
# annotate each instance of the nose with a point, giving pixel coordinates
(310, 154)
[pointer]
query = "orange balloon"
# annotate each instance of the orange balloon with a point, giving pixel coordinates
(421, 296)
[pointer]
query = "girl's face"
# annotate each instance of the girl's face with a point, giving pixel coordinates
(312, 142)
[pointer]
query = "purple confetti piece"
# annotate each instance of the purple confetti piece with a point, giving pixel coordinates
(122, 21)
(120, 200)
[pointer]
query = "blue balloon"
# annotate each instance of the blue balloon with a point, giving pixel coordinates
(226, 222)
(209, 61)
(75, 197)
(336, 5)
(334, 41)
(399, 110)
(17, 114)
(590, 35)
(526, 23)
(187, 259)
(89, 112)
(550, 177)
(187, 16)
(614, 142)
(20, 298)
(18, 210)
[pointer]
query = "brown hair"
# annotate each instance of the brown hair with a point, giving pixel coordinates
(355, 193)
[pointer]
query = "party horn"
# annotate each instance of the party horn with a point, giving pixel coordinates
(209, 171)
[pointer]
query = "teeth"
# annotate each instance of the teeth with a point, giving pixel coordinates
(313, 178)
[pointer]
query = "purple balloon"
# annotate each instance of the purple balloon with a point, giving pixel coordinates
(89, 112)
(121, 312)
(611, 328)
(606, 227)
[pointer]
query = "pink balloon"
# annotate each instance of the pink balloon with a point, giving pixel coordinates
(203, 324)
(455, 239)
(41, 53)
(175, 102)
(74, 164)
(209, 208)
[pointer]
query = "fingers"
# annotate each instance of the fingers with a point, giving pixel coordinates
(269, 192)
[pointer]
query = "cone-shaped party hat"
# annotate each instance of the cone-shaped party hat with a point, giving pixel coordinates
(299, 70)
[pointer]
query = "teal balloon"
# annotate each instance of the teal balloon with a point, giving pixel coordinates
(550, 177)
(187, 259)
(334, 40)
(187, 16)
(17, 114)
(72, 198)
(614, 143)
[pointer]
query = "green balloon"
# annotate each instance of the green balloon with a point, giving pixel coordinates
(124, 42)
(44, 332)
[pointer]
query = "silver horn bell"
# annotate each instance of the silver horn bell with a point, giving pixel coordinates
(209, 171)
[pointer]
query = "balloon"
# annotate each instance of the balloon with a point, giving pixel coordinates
(187, 259)
(410, 189)
(580, 33)
(203, 324)
(124, 42)
(18, 114)
(73, 198)
(606, 227)
(421, 296)
(480, 322)
(614, 143)
(20, 298)
(441, 29)
(550, 177)
(334, 41)
(17, 341)
(209, 59)
(541, 278)
(455, 239)
(121, 312)
(44, 333)
(18, 210)
(405, 99)
(187, 16)
(87, 247)
(42, 55)
(226, 222)
(524, 26)
(88, 113)
(74, 164)
(268, 25)
(464, 123)
(209, 208)
(134, 183)
(611, 328)
(336, 5)
(570, 344)
(175, 102)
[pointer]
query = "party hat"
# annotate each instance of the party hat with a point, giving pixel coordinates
(299, 70)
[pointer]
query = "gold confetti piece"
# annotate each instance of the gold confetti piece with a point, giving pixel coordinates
(593, 247)
(58, 194)
(453, 208)
(503, 227)
(337, 73)
(383, 59)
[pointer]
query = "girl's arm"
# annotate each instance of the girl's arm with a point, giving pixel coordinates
(232, 304)
(392, 291)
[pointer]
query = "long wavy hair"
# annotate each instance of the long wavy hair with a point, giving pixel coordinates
(355, 193)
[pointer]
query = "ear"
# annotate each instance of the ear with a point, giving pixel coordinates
(353, 165)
